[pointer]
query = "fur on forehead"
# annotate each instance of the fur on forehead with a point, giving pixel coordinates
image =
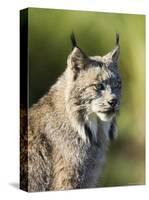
(95, 74)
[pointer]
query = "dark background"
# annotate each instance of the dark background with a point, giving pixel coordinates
(49, 45)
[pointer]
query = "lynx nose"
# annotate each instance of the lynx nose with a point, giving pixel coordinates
(113, 102)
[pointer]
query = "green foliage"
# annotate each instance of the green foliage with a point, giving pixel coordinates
(49, 46)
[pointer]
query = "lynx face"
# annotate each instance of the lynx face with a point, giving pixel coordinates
(106, 100)
(94, 83)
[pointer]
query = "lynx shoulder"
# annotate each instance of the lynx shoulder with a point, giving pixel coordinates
(71, 126)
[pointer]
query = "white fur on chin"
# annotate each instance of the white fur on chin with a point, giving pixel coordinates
(105, 117)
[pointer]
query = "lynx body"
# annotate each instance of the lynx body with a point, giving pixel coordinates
(71, 126)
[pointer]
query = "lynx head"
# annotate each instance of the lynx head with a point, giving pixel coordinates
(94, 83)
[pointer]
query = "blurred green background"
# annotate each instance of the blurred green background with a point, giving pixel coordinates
(49, 46)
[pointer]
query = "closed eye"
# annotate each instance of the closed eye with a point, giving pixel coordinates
(116, 84)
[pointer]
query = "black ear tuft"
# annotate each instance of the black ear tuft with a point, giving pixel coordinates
(73, 40)
(117, 38)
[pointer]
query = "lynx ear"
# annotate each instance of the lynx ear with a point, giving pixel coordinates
(77, 58)
(116, 51)
(73, 40)
(114, 54)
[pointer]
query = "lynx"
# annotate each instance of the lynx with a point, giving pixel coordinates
(70, 128)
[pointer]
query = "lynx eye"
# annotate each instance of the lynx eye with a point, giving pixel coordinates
(100, 86)
(116, 84)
